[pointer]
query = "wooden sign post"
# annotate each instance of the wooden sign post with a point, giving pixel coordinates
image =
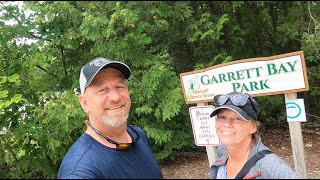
(298, 145)
(282, 74)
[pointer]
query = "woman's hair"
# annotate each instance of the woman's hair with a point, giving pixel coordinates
(257, 133)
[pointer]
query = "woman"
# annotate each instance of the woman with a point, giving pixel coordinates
(237, 129)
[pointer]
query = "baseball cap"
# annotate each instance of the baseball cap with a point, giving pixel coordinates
(241, 103)
(89, 70)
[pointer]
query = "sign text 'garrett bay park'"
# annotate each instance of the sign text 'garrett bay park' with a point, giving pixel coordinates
(279, 74)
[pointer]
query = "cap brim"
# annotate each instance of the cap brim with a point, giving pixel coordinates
(124, 69)
(236, 109)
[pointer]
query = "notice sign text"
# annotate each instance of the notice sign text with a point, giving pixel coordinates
(204, 129)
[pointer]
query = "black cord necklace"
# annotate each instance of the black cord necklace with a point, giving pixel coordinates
(119, 146)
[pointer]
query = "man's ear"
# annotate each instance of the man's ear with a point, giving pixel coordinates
(84, 103)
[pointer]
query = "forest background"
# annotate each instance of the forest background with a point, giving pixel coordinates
(42, 51)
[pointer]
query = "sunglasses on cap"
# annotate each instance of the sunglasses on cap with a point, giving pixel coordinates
(119, 146)
(237, 99)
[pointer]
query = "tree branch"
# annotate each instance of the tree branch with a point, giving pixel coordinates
(315, 21)
(63, 58)
(5, 67)
(20, 23)
(43, 69)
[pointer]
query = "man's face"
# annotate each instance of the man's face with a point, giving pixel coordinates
(107, 98)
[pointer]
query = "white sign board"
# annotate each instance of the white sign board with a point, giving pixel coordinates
(204, 128)
(295, 111)
(279, 74)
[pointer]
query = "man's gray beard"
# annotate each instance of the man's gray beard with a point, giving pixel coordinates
(115, 122)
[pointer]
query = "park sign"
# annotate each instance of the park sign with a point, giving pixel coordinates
(280, 74)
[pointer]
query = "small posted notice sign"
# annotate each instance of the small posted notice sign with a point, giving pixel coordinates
(296, 110)
(203, 126)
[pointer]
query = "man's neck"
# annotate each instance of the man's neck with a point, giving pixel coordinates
(117, 134)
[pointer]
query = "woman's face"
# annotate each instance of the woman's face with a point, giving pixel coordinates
(232, 129)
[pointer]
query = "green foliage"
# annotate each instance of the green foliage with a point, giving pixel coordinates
(158, 40)
(310, 43)
(37, 147)
(8, 99)
(272, 109)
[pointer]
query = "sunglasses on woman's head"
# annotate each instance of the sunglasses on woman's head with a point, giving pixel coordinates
(236, 99)
(239, 99)
(119, 146)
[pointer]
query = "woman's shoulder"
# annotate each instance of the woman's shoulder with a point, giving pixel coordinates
(276, 167)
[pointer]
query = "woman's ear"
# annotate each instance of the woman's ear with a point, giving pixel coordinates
(84, 103)
(253, 127)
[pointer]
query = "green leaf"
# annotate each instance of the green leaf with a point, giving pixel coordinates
(3, 79)
(13, 78)
(17, 98)
(4, 94)
(26, 140)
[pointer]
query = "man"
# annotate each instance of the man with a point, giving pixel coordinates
(109, 148)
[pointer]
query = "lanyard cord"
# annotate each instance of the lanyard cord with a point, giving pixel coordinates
(98, 132)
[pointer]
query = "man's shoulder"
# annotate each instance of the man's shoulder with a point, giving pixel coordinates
(83, 143)
(138, 129)
(78, 158)
(77, 150)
